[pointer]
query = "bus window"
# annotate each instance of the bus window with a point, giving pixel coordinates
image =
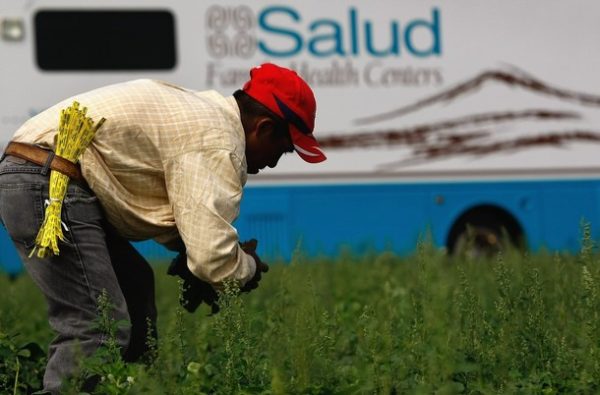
(105, 40)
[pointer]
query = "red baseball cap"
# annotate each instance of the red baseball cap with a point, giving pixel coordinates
(285, 93)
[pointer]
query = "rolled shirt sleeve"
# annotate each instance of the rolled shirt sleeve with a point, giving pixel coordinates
(205, 191)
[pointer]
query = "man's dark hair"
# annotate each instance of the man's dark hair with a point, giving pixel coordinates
(251, 108)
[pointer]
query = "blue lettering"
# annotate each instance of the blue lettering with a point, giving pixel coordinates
(335, 37)
(433, 27)
(284, 35)
(354, 30)
(264, 24)
(394, 48)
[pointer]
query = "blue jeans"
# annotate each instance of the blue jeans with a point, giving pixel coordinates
(92, 259)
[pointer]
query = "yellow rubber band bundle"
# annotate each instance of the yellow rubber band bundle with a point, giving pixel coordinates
(75, 133)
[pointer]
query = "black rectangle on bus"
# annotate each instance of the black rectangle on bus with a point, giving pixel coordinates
(97, 40)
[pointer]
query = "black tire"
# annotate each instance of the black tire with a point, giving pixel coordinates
(483, 232)
(479, 241)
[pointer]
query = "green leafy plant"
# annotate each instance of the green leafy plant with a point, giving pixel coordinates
(379, 323)
(21, 365)
(105, 367)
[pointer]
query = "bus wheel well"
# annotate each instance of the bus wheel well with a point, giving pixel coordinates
(489, 220)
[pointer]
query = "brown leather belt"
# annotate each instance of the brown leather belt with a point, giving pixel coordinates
(40, 156)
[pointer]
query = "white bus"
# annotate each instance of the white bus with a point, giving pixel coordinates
(433, 115)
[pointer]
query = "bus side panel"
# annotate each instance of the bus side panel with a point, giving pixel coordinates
(358, 218)
(566, 207)
(265, 217)
(10, 262)
(324, 219)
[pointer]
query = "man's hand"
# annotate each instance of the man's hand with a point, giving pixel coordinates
(195, 291)
(249, 248)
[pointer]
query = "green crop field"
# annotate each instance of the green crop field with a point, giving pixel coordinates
(374, 324)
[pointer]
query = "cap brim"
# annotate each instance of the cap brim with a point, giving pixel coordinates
(306, 146)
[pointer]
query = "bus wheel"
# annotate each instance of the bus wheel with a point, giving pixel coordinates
(484, 231)
(479, 241)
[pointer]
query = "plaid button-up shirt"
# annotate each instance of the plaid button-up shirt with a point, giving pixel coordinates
(167, 163)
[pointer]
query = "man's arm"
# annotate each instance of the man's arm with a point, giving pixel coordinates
(205, 191)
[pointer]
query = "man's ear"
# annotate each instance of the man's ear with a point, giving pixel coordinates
(265, 127)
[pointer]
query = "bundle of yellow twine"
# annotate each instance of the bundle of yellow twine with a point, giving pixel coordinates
(75, 133)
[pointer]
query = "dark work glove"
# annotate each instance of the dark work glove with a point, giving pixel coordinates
(195, 291)
(249, 248)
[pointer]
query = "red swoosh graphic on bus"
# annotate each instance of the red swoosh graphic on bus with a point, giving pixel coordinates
(516, 78)
(418, 134)
(480, 134)
(464, 146)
